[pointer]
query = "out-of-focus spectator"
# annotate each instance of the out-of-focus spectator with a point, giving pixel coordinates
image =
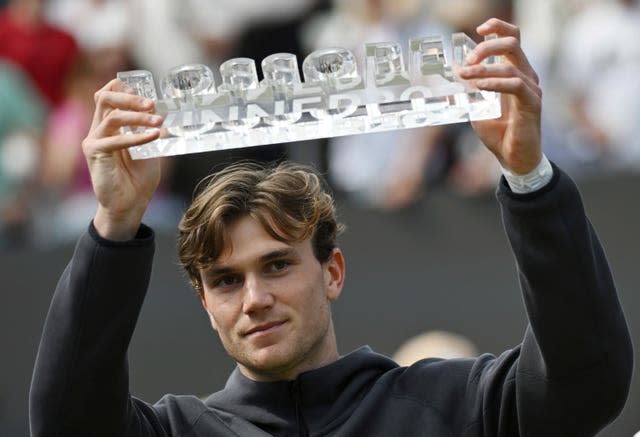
(541, 23)
(163, 37)
(22, 114)
(100, 27)
(599, 73)
(463, 15)
(434, 344)
(46, 53)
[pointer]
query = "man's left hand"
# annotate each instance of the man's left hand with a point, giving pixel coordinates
(514, 138)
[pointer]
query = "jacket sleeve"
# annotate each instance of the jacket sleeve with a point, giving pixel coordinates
(80, 383)
(571, 374)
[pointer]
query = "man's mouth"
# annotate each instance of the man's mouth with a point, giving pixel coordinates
(264, 328)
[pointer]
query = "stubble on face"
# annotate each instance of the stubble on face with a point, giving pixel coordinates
(297, 353)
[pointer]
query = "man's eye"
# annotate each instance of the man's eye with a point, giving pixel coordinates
(226, 281)
(279, 265)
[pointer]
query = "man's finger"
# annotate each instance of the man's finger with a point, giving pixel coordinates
(499, 27)
(108, 99)
(116, 119)
(509, 48)
(110, 86)
(119, 142)
(516, 86)
(122, 100)
(115, 85)
(484, 71)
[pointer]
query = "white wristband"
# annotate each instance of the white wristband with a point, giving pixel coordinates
(532, 181)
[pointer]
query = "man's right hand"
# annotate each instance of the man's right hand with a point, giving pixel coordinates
(123, 187)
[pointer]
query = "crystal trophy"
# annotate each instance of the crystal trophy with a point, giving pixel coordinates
(281, 74)
(239, 78)
(184, 84)
(140, 82)
(334, 99)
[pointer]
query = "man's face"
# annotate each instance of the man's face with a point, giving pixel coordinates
(269, 301)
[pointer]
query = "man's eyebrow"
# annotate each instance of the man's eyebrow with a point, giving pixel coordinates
(215, 270)
(281, 253)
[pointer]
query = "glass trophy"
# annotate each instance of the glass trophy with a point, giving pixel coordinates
(281, 75)
(185, 84)
(239, 78)
(140, 82)
(334, 99)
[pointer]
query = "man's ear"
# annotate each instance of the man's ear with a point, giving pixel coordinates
(334, 274)
(203, 301)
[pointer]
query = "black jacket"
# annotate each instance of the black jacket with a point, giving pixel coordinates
(569, 377)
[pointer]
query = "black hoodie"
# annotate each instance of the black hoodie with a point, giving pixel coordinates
(569, 377)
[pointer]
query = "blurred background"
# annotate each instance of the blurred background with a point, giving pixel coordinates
(425, 195)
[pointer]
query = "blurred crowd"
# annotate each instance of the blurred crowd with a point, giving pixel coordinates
(54, 54)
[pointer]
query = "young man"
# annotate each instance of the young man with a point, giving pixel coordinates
(259, 247)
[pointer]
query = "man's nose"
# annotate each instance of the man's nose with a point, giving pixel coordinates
(257, 294)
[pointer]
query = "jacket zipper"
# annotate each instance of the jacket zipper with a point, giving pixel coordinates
(303, 431)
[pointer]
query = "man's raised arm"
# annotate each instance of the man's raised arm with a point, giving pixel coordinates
(80, 381)
(571, 374)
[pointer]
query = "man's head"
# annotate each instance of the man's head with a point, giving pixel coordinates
(259, 245)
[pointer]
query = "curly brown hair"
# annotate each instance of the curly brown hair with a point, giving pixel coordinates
(291, 201)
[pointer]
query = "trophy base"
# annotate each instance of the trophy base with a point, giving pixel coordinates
(465, 107)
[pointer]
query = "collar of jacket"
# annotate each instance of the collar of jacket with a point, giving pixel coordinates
(326, 396)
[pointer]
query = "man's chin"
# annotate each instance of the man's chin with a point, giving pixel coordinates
(270, 363)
